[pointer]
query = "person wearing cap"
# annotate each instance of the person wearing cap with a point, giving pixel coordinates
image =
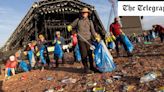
(86, 29)
(11, 64)
(42, 47)
(58, 52)
(115, 30)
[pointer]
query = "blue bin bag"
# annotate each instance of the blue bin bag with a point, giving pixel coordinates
(24, 66)
(111, 45)
(58, 51)
(128, 43)
(77, 53)
(103, 58)
(9, 72)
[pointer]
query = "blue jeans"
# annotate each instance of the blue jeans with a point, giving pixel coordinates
(119, 39)
(42, 58)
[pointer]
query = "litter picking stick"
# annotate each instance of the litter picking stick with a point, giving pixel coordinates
(91, 46)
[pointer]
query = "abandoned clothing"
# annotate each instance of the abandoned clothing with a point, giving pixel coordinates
(85, 28)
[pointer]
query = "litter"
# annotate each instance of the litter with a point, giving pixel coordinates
(147, 43)
(108, 81)
(69, 80)
(24, 77)
(99, 89)
(49, 78)
(150, 77)
(91, 84)
(129, 88)
(117, 77)
(50, 90)
(59, 89)
(160, 89)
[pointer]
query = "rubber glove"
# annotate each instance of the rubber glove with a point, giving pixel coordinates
(113, 37)
(69, 28)
(92, 47)
(98, 38)
(123, 33)
(59, 42)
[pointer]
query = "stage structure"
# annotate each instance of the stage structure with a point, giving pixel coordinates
(48, 16)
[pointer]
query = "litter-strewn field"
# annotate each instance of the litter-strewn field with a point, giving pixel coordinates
(70, 78)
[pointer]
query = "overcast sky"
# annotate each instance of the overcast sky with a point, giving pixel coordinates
(12, 12)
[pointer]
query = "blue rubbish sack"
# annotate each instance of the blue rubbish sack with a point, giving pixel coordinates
(24, 66)
(128, 43)
(9, 72)
(77, 53)
(111, 45)
(58, 51)
(103, 58)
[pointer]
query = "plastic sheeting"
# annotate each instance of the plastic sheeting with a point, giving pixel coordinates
(103, 58)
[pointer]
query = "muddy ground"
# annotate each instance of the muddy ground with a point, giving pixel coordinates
(147, 58)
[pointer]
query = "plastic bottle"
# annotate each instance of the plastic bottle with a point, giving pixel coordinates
(149, 77)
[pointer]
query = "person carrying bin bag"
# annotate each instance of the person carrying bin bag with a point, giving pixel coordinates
(85, 31)
(115, 30)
